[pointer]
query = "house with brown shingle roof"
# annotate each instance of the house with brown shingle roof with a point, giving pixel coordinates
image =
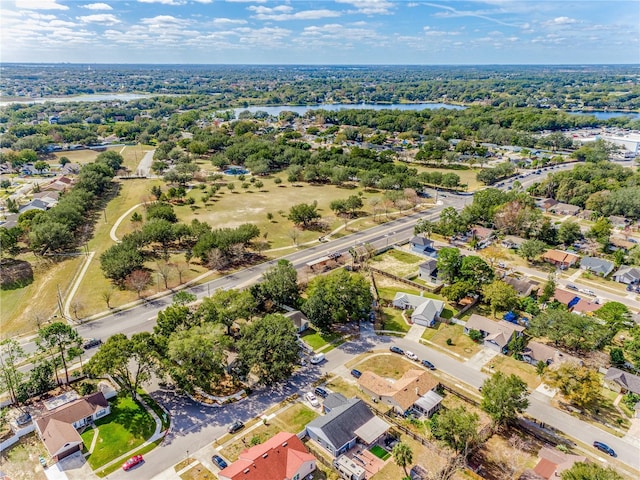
(536, 352)
(402, 394)
(553, 462)
(282, 457)
(575, 303)
(58, 428)
(560, 258)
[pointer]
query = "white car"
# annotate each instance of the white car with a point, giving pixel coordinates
(312, 399)
(411, 355)
(316, 359)
(586, 291)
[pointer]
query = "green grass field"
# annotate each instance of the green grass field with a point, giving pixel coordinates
(317, 340)
(380, 452)
(125, 428)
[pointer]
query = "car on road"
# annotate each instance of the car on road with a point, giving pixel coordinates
(312, 399)
(586, 291)
(428, 364)
(411, 355)
(603, 447)
(235, 426)
(356, 373)
(219, 461)
(397, 350)
(132, 462)
(571, 286)
(316, 359)
(92, 342)
(321, 392)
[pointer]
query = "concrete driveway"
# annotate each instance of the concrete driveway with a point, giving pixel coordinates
(481, 358)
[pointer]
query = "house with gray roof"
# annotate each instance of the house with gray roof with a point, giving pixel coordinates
(536, 352)
(523, 286)
(621, 381)
(427, 270)
(425, 310)
(565, 209)
(36, 204)
(346, 425)
(628, 275)
(599, 266)
(422, 245)
(496, 335)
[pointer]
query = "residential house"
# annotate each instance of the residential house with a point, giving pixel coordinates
(36, 204)
(299, 319)
(553, 462)
(511, 241)
(628, 275)
(403, 394)
(497, 335)
(560, 258)
(422, 245)
(536, 352)
(69, 169)
(332, 401)
(51, 198)
(616, 243)
(282, 457)
(427, 312)
(482, 234)
(546, 203)
(621, 381)
(524, 287)
(10, 221)
(346, 425)
(428, 270)
(599, 266)
(617, 221)
(575, 303)
(58, 428)
(586, 214)
(565, 209)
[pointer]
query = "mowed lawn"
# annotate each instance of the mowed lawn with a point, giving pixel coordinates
(466, 176)
(387, 365)
(125, 428)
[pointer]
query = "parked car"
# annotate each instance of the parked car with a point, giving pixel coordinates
(356, 373)
(132, 462)
(92, 342)
(312, 399)
(428, 364)
(235, 426)
(219, 461)
(411, 355)
(316, 359)
(571, 286)
(398, 350)
(586, 291)
(321, 392)
(603, 447)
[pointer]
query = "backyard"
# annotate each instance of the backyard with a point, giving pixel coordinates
(21, 461)
(398, 262)
(125, 428)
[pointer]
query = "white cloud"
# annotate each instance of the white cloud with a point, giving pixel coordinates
(285, 12)
(40, 5)
(164, 21)
(437, 33)
(559, 21)
(228, 21)
(370, 7)
(97, 6)
(204, 1)
(102, 18)
(164, 2)
(246, 1)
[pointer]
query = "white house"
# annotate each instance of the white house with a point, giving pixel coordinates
(425, 310)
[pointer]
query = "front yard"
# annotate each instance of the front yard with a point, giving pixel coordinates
(125, 428)
(509, 365)
(387, 365)
(318, 340)
(461, 344)
(294, 419)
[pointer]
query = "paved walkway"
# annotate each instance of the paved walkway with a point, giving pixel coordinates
(481, 358)
(144, 167)
(114, 229)
(76, 284)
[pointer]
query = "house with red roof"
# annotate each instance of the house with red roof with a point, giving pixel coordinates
(282, 457)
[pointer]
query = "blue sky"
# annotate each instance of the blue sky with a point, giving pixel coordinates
(320, 32)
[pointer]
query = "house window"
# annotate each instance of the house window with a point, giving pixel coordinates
(296, 477)
(101, 413)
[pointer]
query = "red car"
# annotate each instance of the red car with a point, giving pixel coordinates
(132, 462)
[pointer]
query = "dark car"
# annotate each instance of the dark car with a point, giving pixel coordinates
(571, 286)
(428, 364)
(235, 426)
(321, 392)
(356, 373)
(603, 447)
(92, 342)
(132, 462)
(219, 461)
(398, 350)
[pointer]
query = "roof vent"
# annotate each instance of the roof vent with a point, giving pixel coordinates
(265, 455)
(246, 470)
(285, 444)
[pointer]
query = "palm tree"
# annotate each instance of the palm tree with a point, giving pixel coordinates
(403, 456)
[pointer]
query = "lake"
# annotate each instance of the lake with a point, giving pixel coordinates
(606, 115)
(334, 107)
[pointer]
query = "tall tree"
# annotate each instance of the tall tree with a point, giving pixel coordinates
(403, 456)
(10, 377)
(227, 306)
(269, 348)
(131, 360)
(500, 295)
(569, 232)
(476, 271)
(590, 471)
(304, 213)
(504, 397)
(449, 261)
(61, 337)
(530, 249)
(280, 284)
(456, 427)
(578, 384)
